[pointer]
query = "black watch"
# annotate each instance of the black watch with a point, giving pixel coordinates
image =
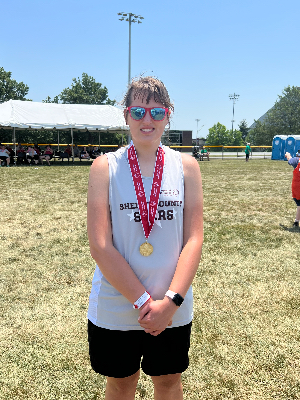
(178, 300)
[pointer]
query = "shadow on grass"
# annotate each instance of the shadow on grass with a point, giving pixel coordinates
(293, 229)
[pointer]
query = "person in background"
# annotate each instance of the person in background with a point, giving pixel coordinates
(21, 154)
(294, 162)
(4, 156)
(47, 155)
(84, 153)
(204, 153)
(94, 152)
(67, 153)
(247, 151)
(37, 153)
(11, 155)
(30, 154)
(141, 303)
(76, 151)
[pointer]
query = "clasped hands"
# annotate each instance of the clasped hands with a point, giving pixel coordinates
(156, 315)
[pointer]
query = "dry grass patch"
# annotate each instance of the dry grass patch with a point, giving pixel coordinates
(245, 342)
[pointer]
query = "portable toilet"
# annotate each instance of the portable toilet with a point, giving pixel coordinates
(290, 145)
(297, 144)
(278, 147)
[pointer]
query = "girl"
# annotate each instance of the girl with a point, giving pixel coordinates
(145, 230)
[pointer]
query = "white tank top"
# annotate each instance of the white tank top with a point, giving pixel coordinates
(107, 307)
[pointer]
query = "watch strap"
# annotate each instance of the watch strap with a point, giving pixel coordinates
(176, 297)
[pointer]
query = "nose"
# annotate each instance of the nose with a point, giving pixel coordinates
(147, 118)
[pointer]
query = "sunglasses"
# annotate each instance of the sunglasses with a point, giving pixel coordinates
(157, 113)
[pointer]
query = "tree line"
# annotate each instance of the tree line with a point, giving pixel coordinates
(282, 119)
(82, 91)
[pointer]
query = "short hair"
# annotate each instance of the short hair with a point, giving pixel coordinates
(147, 88)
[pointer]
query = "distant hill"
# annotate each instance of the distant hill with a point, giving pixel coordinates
(261, 119)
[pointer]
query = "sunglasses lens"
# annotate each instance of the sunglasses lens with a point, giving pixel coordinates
(158, 114)
(137, 113)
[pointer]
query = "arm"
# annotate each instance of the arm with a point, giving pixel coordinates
(156, 315)
(288, 155)
(293, 161)
(111, 263)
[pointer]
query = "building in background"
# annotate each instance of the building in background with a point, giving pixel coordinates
(178, 138)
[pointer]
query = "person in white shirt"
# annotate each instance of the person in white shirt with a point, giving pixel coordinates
(145, 228)
(4, 155)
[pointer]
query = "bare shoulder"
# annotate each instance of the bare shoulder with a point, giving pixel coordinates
(190, 165)
(99, 176)
(99, 166)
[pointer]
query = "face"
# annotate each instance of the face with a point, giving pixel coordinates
(146, 130)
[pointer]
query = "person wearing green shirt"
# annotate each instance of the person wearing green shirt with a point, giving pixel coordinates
(204, 153)
(247, 151)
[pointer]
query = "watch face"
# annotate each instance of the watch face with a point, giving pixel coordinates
(178, 300)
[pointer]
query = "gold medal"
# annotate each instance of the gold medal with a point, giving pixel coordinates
(146, 249)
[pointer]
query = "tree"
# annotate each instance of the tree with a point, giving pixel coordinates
(243, 127)
(11, 89)
(218, 135)
(235, 138)
(261, 134)
(48, 100)
(84, 91)
(284, 117)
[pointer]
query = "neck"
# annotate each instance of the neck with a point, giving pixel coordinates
(146, 152)
(147, 157)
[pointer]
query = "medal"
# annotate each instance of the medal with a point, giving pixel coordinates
(147, 213)
(146, 249)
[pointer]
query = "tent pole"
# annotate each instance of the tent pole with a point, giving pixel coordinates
(14, 137)
(72, 145)
(57, 140)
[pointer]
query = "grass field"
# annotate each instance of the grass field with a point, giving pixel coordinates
(245, 342)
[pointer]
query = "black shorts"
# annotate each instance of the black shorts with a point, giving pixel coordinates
(296, 201)
(118, 354)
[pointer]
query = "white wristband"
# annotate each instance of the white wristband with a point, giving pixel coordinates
(142, 300)
(170, 294)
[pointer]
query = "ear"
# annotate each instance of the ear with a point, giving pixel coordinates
(125, 115)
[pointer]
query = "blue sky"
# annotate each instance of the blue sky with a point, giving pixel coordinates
(202, 50)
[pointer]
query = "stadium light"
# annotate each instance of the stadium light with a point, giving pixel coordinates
(197, 120)
(131, 18)
(234, 97)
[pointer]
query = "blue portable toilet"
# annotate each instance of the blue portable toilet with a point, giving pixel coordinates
(278, 147)
(290, 144)
(297, 144)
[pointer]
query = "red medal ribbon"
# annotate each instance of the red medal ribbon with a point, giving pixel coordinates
(147, 216)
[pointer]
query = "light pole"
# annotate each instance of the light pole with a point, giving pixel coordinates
(197, 120)
(131, 18)
(234, 97)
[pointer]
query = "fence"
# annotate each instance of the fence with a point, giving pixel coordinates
(219, 154)
(222, 154)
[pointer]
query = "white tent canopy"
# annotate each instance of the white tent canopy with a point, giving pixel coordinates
(34, 115)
